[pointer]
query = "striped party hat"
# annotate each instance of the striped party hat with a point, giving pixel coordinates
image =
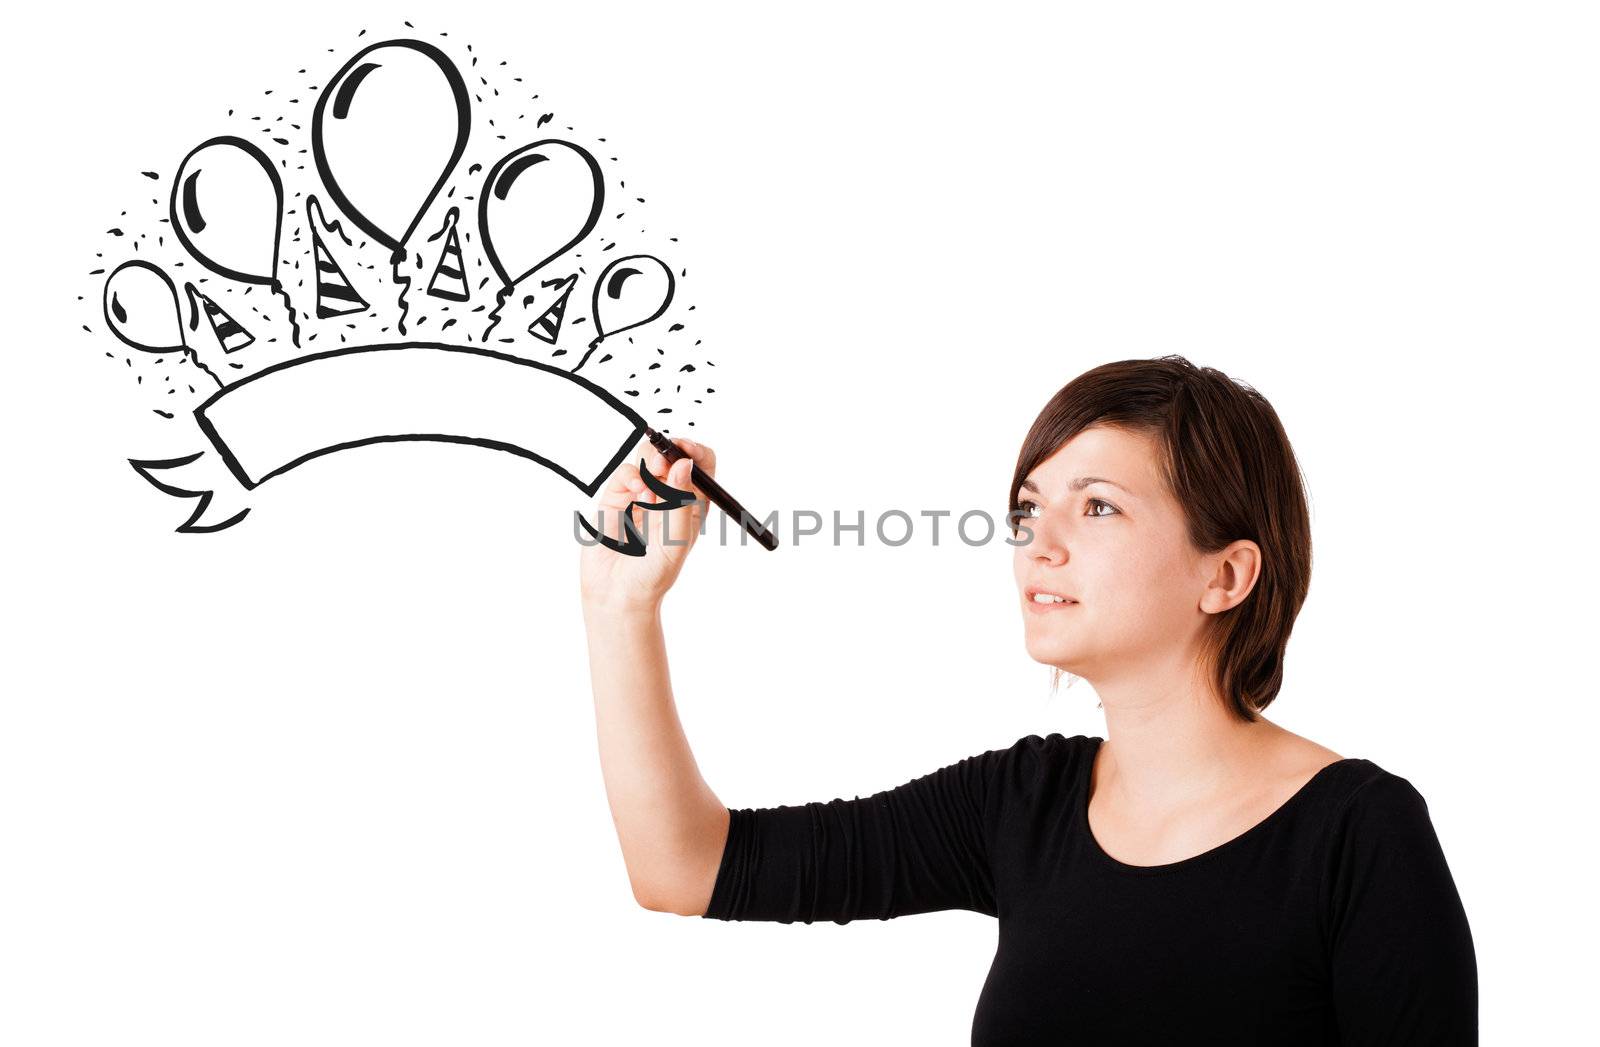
(335, 296)
(449, 276)
(548, 326)
(230, 335)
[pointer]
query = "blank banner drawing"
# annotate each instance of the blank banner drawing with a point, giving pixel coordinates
(287, 415)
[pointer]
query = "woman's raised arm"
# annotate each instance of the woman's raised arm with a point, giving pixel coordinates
(670, 824)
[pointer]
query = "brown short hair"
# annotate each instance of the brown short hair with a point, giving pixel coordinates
(1228, 462)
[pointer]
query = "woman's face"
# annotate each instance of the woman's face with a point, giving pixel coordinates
(1109, 536)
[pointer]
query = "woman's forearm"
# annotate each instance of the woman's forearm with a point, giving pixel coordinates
(672, 827)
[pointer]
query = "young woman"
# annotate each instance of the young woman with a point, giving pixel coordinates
(1198, 875)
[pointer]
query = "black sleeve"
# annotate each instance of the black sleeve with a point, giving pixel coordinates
(1404, 970)
(920, 847)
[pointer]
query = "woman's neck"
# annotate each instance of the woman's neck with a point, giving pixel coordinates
(1169, 743)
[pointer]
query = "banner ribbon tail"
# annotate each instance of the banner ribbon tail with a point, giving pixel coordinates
(222, 498)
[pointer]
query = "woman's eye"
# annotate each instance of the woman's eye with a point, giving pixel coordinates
(1031, 509)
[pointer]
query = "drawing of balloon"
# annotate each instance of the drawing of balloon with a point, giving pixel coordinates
(227, 208)
(141, 308)
(537, 203)
(386, 133)
(227, 204)
(631, 292)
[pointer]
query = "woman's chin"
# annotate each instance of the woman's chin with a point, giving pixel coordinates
(1057, 655)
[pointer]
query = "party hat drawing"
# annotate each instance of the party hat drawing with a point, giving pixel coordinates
(231, 335)
(449, 276)
(548, 326)
(335, 295)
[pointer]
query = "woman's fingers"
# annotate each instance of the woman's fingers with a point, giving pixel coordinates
(625, 486)
(703, 456)
(616, 491)
(698, 453)
(656, 461)
(679, 526)
(621, 489)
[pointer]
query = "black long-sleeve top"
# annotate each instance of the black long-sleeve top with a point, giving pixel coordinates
(1335, 920)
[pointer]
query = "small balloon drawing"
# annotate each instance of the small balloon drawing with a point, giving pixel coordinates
(630, 293)
(141, 308)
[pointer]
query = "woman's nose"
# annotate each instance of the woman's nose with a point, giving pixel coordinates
(1046, 546)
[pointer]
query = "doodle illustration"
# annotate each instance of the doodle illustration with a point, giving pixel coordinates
(227, 207)
(387, 143)
(538, 202)
(289, 414)
(229, 334)
(141, 308)
(630, 293)
(547, 327)
(391, 200)
(335, 295)
(449, 277)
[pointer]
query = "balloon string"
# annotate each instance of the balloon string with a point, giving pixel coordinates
(404, 281)
(587, 353)
(194, 358)
(294, 323)
(499, 304)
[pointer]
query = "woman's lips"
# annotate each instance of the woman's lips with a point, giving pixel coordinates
(1035, 607)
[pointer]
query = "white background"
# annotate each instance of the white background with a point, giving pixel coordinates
(330, 777)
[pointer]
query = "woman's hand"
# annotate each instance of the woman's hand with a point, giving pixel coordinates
(615, 581)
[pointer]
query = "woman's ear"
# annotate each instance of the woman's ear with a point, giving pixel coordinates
(1236, 569)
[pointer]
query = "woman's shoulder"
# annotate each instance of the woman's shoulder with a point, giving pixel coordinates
(1384, 861)
(1055, 748)
(1365, 805)
(1057, 743)
(1368, 789)
(1035, 764)
(1336, 783)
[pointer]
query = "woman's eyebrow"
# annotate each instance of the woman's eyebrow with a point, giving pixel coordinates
(1077, 485)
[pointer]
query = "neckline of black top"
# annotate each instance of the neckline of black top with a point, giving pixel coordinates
(1282, 811)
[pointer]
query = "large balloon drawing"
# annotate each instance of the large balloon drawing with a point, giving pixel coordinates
(141, 308)
(227, 208)
(386, 133)
(631, 292)
(537, 203)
